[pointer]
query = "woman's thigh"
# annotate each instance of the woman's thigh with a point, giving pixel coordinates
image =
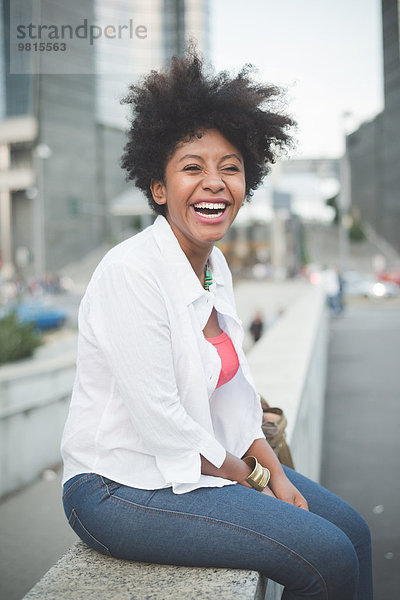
(232, 526)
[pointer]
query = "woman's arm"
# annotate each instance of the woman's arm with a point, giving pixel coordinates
(266, 457)
(279, 483)
(233, 468)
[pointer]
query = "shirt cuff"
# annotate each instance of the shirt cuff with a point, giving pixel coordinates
(186, 468)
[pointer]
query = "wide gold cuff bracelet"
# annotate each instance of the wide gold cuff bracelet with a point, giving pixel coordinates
(259, 477)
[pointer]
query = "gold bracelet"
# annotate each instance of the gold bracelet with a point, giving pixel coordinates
(259, 477)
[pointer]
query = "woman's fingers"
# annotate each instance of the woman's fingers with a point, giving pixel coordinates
(269, 492)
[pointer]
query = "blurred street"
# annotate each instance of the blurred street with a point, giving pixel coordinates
(361, 444)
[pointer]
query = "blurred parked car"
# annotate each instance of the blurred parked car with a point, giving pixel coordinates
(43, 316)
(392, 275)
(367, 286)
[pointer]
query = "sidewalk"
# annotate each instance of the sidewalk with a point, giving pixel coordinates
(362, 425)
(34, 534)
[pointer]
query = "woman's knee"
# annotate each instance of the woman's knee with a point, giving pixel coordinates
(338, 566)
(361, 531)
(330, 571)
(354, 526)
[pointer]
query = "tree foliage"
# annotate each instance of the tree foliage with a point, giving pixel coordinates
(17, 340)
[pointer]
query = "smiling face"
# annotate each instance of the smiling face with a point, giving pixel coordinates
(203, 190)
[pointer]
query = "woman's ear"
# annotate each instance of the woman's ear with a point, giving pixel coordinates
(158, 191)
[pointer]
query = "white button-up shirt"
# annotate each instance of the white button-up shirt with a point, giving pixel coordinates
(145, 405)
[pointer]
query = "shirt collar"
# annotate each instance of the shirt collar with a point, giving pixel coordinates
(175, 257)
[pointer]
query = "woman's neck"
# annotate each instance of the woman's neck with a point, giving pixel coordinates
(197, 254)
(198, 263)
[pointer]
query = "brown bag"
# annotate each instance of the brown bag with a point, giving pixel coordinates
(274, 431)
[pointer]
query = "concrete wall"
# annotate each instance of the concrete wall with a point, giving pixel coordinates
(289, 368)
(34, 400)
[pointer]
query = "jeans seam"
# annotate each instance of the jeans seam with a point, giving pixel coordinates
(127, 503)
(75, 515)
(77, 484)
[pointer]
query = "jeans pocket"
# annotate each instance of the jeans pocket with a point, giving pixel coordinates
(85, 535)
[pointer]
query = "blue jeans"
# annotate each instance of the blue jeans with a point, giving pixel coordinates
(321, 554)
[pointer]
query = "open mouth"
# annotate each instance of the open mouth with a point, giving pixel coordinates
(210, 210)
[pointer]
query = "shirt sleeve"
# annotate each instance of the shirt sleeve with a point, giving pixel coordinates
(128, 316)
(258, 411)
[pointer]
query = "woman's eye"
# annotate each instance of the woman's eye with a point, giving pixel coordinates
(231, 168)
(191, 168)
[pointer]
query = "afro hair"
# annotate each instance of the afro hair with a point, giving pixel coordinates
(176, 104)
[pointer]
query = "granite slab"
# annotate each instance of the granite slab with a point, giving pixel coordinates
(85, 574)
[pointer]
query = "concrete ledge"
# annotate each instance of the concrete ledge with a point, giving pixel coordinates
(289, 369)
(85, 574)
(34, 401)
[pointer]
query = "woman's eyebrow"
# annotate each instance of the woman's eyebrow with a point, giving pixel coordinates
(190, 156)
(196, 156)
(233, 155)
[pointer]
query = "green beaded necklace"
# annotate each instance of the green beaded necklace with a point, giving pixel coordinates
(207, 277)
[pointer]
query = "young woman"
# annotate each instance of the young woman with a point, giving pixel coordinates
(165, 460)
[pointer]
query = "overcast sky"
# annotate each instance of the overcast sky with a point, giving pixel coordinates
(327, 53)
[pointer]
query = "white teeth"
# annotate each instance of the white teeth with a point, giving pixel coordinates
(208, 216)
(210, 205)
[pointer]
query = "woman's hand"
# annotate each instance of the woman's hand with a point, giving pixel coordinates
(280, 485)
(268, 492)
(285, 490)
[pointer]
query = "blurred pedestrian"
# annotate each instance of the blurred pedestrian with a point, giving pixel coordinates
(257, 326)
(340, 300)
(333, 286)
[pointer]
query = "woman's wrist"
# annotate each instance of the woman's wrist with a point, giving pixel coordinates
(260, 476)
(241, 472)
(265, 455)
(233, 468)
(245, 472)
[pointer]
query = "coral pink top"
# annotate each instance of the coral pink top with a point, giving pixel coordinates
(229, 359)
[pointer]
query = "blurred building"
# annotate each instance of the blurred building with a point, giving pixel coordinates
(374, 149)
(170, 23)
(62, 127)
(54, 215)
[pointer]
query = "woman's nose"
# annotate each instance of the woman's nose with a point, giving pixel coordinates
(213, 182)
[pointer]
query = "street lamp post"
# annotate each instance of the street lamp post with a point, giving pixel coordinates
(7, 267)
(344, 200)
(40, 153)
